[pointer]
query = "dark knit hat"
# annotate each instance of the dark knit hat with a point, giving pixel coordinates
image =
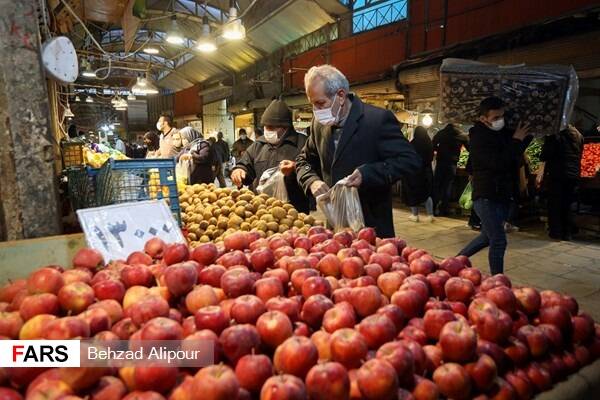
(277, 114)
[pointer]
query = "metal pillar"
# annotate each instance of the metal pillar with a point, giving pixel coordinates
(28, 189)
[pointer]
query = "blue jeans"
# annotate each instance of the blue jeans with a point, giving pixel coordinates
(493, 215)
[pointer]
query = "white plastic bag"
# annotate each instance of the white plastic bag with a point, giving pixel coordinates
(272, 182)
(183, 170)
(341, 206)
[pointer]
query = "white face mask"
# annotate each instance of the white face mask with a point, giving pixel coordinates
(159, 126)
(243, 137)
(497, 125)
(325, 115)
(271, 136)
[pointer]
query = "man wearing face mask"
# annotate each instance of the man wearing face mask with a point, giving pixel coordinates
(277, 147)
(495, 154)
(170, 139)
(241, 145)
(352, 139)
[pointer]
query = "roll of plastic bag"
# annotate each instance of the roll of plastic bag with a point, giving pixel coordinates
(272, 183)
(341, 206)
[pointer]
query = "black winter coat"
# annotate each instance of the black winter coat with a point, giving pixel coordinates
(562, 154)
(418, 186)
(203, 159)
(372, 142)
(261, 156)
(495, 158)
(447, 144)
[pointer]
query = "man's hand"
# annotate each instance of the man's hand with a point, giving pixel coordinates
(237, 177)
(287, 167)
(318, 188)
(522, 132)
(186, 156)
(354, 180)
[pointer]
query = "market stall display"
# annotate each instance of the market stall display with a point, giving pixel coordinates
(95, 155)
(590, 160)
(316, 315)
(209, 213)
(542, 96)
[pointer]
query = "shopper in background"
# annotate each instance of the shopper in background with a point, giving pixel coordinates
(560, 171)
(241, 145)
(152, 142)
(353, 140)
(170, 139)
(199, 152)
(221, 150)
(495, 155)
(418, 186)
(447, 144)
(278, 147)
(120, 145)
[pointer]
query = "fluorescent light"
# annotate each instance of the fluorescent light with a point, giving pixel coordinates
(131, 97)
(234, 28)
(144, 86)
(206, 43)
(151, 50)
(174, 36)
(88, 73)
(77, 98)
(89, 99)
(427, 120)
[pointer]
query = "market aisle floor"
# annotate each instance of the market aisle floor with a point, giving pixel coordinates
(531, 259)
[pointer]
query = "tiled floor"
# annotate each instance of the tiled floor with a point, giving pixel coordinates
(531, 258)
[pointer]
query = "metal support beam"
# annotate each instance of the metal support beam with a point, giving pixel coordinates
(28, 192)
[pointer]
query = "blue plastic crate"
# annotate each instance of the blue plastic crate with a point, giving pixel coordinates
(82, 186)
(125, 181)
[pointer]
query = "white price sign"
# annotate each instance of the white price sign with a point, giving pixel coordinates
(118, 230)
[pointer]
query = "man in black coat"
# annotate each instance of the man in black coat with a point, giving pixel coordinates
(495, 155)
(446, 145)
(278, 147)
(352, 139)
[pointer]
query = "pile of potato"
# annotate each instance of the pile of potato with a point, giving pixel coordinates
(210, 213)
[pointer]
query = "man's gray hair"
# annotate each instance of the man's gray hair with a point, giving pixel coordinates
(332, 78)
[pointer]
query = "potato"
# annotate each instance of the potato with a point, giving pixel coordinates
(278, 213)
(273, 226)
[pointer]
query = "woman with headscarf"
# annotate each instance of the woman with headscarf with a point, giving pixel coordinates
(418, 187)
(152, 142)
(199, 152)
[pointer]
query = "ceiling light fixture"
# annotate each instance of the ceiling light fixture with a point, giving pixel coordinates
(206, 43)
(131, 97)
(89, 99)
(151, 50)
(144, 86)
(174, 36)
(234, 28)
(68, 113)
(77, 98)
(87, 70)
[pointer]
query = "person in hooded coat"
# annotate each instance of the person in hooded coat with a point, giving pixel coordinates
(200, 152)
(418, 187)
(277, 147)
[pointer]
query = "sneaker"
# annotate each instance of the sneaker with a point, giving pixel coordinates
(475, 227)
(430, 219)
(413, 218)
(508, 228)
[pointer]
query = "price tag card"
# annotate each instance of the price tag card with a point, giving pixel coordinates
(118, 230)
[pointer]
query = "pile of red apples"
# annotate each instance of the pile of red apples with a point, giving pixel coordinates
(318, 316)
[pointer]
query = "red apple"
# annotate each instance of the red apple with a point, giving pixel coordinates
(137, 275)
(322, 340)
(453, 381)
(161, 328)
(495, 326)
(155, 378)
(383, 259)
(34, 328)
(459, 289)
(10, 324)
(554, 335)
(522, 385)
(124, 328)
(216, 382)
(246, 309)
(423, 265)
(368, 235)
(289, 307)
(472, 274)
(413, 333)
(390, 282)
(433, 357)
(97, 319)
(410, 302)
(76, 297)
(274, 327)
(67, 328)
(539, 376)
(252, 371)
(377, 329)
(211, 317)
(302, 329)
(425, 390)
(316, 285)
(232, 259)
(388, 248)
(175, 253)
(528, 300)
(373, 270)
(452, 265)
(352, 267)
(300, 275)
(365, 300)
(112, 307)
(536, 340)
(88, 258)
(155, 248)
(434, 321)
(262, 259)
(328, 381)
(377, 379)
(296, 356)
(483, 372)
(347, 253)
(283, 387)
(109, 388)
(45, 280)
(348, 347)
(181, 278)
(109, 289)
(236, 282)
(362, 282)
(437, 280)
(211, 275)
(201, 296)
(239, 340)
(419, 284)
(504, 298)
(43, 303)
(583, 328)
(395, 314)
(401, 358)
(458, 341)
(314, 308)
(205, 254)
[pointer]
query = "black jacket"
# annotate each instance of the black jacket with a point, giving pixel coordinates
(418, 187)
(495, 158)
(261, 156)
(562, 154)
(203, 159)
(447, 144)
(372, 142)
(221, 150)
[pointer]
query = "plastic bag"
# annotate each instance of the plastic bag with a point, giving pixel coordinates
(466, 198)
(542, 96)
(341, 206)
(183, 170)
(272, 183)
